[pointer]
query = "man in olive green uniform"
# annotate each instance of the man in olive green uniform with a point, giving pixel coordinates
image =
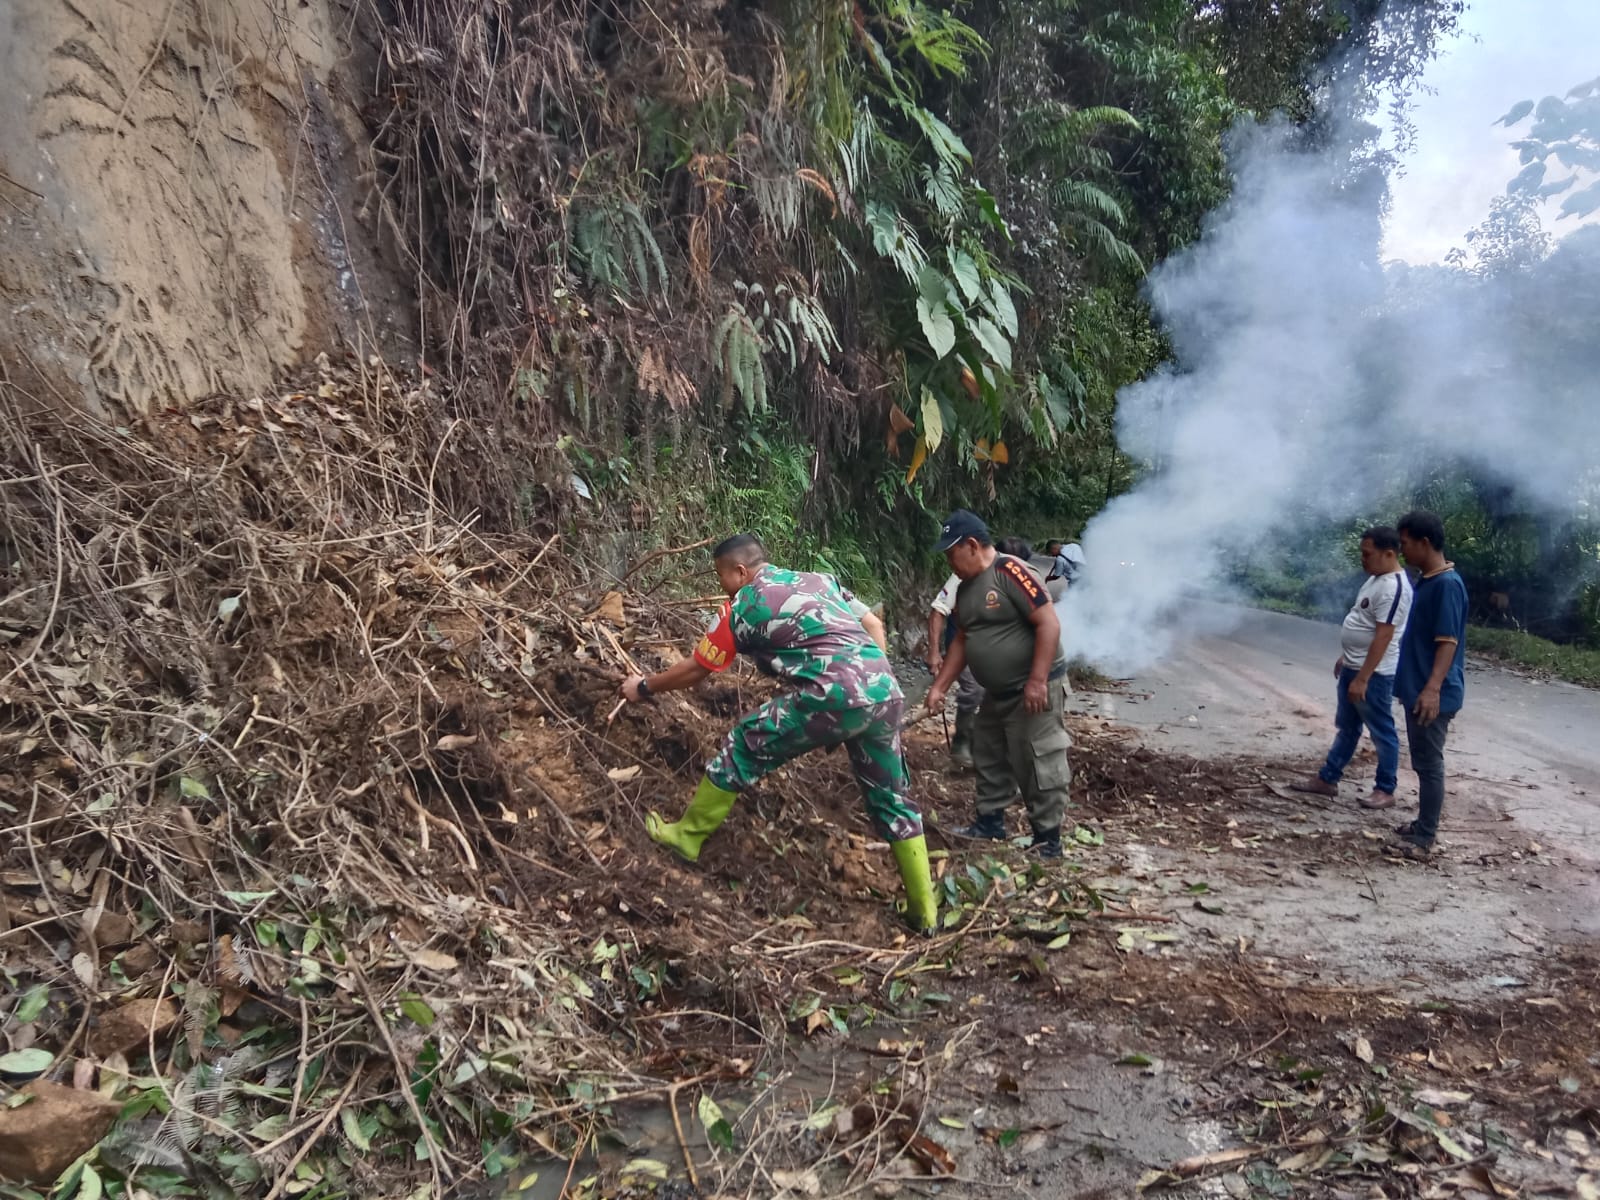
(1011, 637)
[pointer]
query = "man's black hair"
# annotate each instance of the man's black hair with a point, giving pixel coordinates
(1382, 537)
(1053, 547)
(1424, 526)
(1014, 546)
(745, 548)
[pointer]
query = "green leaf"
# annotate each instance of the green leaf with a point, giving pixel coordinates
(351, 1120)
(33, 1002)
(993, 341)
(1197, 889)
(89, 1185)
(990, 211)
(718, 1131)
(414, 1007)
(249, 897)
(932, 420)
(1135, 1060)
(1001, 308)
(937, 327)
(1058, 943)
(1085, 836)
(1008, 1138)
(965, 273)
(952, 1123)
(192, 789)
(26, 1062)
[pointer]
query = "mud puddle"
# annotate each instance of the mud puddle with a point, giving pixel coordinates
(1040, 1106)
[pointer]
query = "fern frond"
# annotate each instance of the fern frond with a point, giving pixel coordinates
(1076, 196)
(1104, 247)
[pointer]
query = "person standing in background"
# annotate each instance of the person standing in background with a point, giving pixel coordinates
(1369, 655)
(941, 629)
(1430, 679)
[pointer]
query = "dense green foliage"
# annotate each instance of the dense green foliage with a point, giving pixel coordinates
(898, 242)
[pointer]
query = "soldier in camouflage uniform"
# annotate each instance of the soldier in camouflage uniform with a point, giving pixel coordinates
(804, 629)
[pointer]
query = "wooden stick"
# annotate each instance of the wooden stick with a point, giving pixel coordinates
(612, 715)
(287, 1174)
(683, 1143)
(657, 554)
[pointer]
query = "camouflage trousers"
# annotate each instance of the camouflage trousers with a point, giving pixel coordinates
(787, 726)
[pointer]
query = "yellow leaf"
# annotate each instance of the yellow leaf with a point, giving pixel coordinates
(980, 450)
(1000, 454)
(932, 420)
(918, 457)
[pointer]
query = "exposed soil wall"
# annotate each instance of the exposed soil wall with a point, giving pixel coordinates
(179, 209)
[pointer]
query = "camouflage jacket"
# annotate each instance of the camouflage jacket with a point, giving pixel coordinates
(806, 629)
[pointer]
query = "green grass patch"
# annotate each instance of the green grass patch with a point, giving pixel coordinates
(1575, 664)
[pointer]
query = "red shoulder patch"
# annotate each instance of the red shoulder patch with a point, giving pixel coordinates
(1023, 578)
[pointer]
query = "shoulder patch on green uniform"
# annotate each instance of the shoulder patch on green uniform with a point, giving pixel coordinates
(1023, 578)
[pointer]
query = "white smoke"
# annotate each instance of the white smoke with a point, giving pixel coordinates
(1310, 379)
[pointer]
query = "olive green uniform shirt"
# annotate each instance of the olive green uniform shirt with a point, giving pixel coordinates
(993, 610)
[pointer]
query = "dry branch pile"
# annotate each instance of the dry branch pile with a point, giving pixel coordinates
(299, 759)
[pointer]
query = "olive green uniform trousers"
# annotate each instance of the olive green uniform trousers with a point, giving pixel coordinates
(1015, 751)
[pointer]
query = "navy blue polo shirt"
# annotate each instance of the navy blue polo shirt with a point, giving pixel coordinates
(1438, 609)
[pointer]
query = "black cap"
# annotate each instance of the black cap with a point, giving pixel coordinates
(960, 525)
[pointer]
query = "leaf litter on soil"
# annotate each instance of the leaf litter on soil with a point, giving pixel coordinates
(289, 746)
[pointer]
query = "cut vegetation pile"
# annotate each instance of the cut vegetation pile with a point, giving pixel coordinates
(322, 860)
(324, 874)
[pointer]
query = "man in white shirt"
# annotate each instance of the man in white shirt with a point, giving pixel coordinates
(1066, 558)
(969, 696)
(1370, 654)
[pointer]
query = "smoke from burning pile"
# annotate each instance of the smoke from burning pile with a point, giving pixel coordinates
(1310, 381)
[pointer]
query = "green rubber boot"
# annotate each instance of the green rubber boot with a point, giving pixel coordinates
(706, 812)
(922, 911)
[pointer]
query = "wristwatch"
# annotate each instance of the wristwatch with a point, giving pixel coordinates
(644, 688)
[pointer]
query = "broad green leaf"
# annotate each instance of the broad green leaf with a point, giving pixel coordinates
(1059, 942)
(952, 1123)
(26, 1062)
(932, 420)
(351, 1120)
(965, 273)
(33, 1002)
(1001, 307)
(990, 212)
(90, 1186)
(193, 789)
(1134, 1060)
(937, 327)
(932, 286)
(993, 341)
(718, 1131)
(417, 1010)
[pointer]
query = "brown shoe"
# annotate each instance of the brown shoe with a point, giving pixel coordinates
(1379, 800)
(1316, 785)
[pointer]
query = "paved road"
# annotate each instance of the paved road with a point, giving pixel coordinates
(1526, 749)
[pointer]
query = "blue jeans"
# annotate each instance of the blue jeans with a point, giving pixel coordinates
(1376, 712)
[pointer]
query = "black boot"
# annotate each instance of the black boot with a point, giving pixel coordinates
(1046, 842)
(961, 744)
(989, 827)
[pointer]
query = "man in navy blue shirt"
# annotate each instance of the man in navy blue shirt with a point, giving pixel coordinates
(1429, 682)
